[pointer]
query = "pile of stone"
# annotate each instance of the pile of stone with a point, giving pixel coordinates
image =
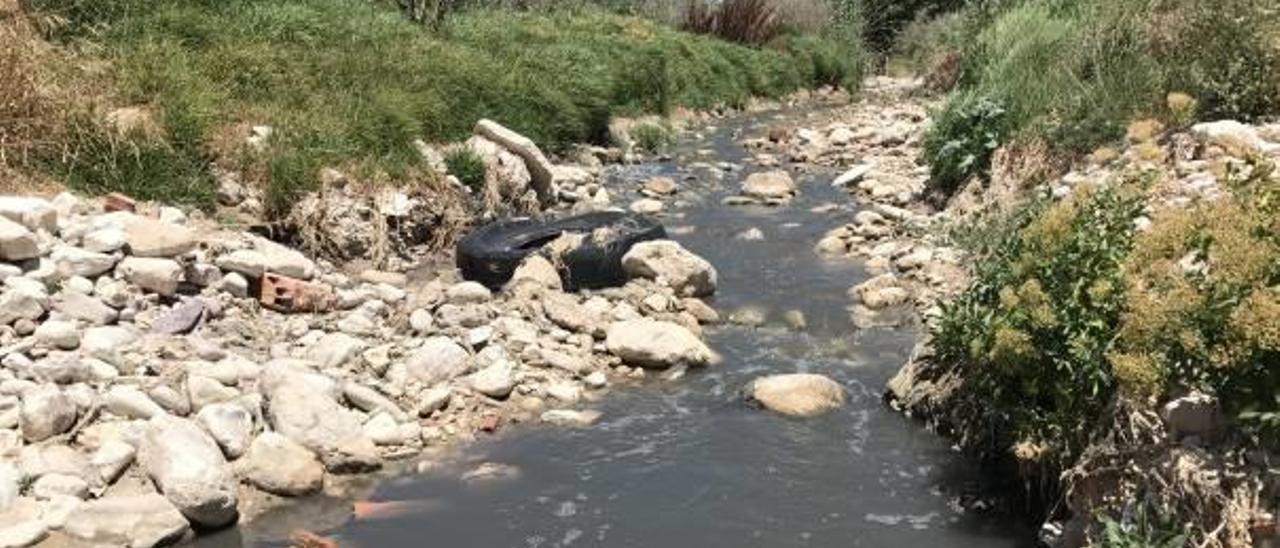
(157, 371)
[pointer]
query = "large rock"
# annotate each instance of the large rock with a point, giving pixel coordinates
(21, 305)
(140, 521)
(156, 275)
(495, 381)
(1231, 134)
(650, 343)
(438, 359)
(131, 403)
(540, 169)
(230, 425)
(85, 308)
(46, 412)
(73, 261)
(33, 213)
(59, 334)
(280, 466)
(188, 468)
(304, 407)
(152, 238)
(267, 256)
(769, 185)
(670, 263)
(798, 394)
(17, 243)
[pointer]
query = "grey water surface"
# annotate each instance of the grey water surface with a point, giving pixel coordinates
(687, 463)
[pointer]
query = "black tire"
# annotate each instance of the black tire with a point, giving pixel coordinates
(491, 253)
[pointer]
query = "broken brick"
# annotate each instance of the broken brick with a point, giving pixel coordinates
(119, 202)
(285, 294)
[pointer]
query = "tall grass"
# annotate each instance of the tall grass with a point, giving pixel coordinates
(351, 84)
(1075, 73)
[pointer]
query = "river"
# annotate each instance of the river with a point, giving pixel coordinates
(686, 462)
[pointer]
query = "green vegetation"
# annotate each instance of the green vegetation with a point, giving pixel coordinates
(351, 84)
(1072, 306)
(1074, 73)
(1035, 327)
(467, 166)
(651, 137)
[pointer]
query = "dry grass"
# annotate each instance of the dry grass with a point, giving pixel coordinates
(25, 110)
(742, 21)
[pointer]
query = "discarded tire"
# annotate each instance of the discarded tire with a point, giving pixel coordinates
(491, 253)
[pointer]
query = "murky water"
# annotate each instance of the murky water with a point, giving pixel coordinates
(688, 463)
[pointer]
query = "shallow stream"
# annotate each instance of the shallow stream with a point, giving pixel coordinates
(687, 463)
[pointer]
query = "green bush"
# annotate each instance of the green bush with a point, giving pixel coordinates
(468, 167)
(1203, 303)
(1033, 331)
(962, 139)
(351, 84)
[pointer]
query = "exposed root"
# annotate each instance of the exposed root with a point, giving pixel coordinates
(1136, 469)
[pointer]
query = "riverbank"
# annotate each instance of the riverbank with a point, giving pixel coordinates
(1039, 298)
(127, 94)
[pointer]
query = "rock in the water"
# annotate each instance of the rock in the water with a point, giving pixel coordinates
(852, 176)
(646, 206)
(438, 359)
(649, 343)
(230, 425)
(570, 417)
(282, 467)
(770, 185)
(662, 186)
(46, 412)
(799, 394)
(156, 275)
(188, 467)
(670, 263)
(140, 521)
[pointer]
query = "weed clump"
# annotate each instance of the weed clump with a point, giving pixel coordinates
(468, 167)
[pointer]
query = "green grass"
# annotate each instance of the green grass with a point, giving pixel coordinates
(349, 83)
(1075, 73)
(467, 166)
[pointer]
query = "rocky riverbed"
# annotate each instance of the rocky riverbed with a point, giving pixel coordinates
(164, 373)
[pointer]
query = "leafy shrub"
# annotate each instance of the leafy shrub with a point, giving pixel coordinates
(1203, 301)
(1034, 329)
(962, 139)
(467, 166)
